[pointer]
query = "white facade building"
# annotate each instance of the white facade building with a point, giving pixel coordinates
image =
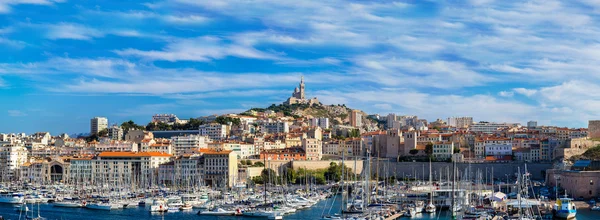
(324, 123)
(11, 158)
(273, 127)
(313, 148)
(498, 147)
(460, 122)
(443, 150)
(487, 127)
(188, 144)
(214, 131)
(98, 124)
(115, 133)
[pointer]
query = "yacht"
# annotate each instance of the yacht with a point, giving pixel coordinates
(174, 201)
(102, 206)
(11, 198)
(186, 207)
(264, 214)
(130, 204)
(69, 204)
(189, 199)
(565, 208)
(158, 206)
(173, 209)
(430, 208)
(217, 211)
(203, 198)
(419, 206)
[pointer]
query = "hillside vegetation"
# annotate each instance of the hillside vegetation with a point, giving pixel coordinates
(590, 154)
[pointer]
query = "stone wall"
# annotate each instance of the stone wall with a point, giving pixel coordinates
(594, 129)
(324, 164)
(280, 165)
(576, 146)
(421, 169)
(584, 184)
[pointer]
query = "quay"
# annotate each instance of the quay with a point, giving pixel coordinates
(394, 217)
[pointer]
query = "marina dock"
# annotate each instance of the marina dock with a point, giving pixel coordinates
(394, 217)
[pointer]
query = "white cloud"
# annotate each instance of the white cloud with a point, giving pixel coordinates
(525, 92)
(189, 19)
(506, 94)
(5, 5)
(16, 113)
(201, 49)
(383, 106)
(71, 31)
(102, 67)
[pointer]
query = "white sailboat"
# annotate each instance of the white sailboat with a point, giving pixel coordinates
(430, 208)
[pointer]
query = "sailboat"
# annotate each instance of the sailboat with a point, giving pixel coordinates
(269, 214)
(430, 208)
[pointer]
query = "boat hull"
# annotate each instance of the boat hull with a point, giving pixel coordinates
(12, 200)
(566, 214)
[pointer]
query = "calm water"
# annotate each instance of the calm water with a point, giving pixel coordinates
(52, 213)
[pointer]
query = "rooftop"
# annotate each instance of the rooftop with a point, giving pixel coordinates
(134, 154)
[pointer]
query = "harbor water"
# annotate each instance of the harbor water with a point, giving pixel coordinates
(323, 207)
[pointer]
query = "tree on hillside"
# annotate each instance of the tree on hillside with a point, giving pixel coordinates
(225, 120)
(354, 133)
(129, 125)
(103, 133)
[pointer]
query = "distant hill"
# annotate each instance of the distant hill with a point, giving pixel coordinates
(337, 114)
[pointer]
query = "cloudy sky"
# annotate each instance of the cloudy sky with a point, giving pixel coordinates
(66, 61)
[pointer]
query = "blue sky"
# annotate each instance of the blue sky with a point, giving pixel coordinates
(65, 62)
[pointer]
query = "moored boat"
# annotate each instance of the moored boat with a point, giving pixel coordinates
(159, 206)
(565, 208)
(218, 212)
(11, 198)
(69, 204)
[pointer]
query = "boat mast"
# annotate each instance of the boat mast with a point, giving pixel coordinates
(342, 181)
(265, 181)
(453, 182)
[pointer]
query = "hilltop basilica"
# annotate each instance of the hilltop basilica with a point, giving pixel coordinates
(298, 96)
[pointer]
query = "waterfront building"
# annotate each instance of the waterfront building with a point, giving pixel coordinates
(11, 159)
(443, 150)
(116, 167)
(220, 168)
(313, 148)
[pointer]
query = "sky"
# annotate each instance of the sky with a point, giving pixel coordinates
(64, 62)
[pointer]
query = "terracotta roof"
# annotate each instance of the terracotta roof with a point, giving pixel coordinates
(218, 152)
(134, 154)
